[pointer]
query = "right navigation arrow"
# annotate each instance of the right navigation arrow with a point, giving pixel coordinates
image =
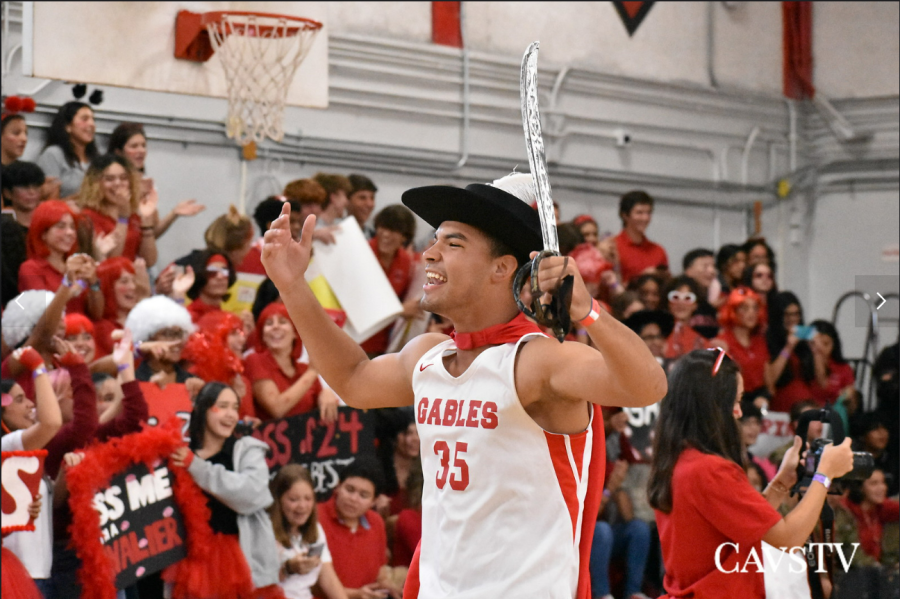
(883, 301)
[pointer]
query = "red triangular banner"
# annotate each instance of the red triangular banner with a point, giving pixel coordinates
(632, 14)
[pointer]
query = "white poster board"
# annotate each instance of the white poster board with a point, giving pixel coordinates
(357, 279)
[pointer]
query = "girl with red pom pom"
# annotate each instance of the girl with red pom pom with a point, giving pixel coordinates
(234, 476)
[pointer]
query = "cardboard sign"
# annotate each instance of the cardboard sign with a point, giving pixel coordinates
(21, 473)
(142, 529)
(324, 448)
(243, 293)
(173, 400)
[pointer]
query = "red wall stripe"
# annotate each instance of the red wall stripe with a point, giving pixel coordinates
(797, 46)
(445, 24)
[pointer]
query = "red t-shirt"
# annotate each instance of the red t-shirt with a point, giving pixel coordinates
(635, 258)
(407, 534)
(840, 376)
(106, 225)
(198, 309)
(871, 523)
(38, 273)
(357, 556)
(400, 275)
(262, 365)
(683, 340)
(796, 390)
(712, 504)
(252, 262)
(752, 360)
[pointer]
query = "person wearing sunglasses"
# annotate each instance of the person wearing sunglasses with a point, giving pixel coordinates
(760, 277)
(213, 276)
(680, 300)
(709, 516)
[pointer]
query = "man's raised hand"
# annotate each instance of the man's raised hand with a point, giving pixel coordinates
(283, 258)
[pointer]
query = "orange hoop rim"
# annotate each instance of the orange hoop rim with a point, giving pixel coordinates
(215, 18)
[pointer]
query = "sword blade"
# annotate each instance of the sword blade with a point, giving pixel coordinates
(531, 122)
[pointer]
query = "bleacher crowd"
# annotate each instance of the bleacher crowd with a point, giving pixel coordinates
(89, 313)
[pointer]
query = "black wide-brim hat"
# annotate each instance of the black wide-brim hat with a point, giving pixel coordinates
(490, 209)
(637, 321)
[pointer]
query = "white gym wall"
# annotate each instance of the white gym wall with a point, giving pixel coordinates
(697, 89)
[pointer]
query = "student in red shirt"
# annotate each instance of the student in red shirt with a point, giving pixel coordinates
(637, 254)
(121, 223)
(872, 510)
(120, 294)
(680, 300)
(282, 386)
(213, 277)
(51, 241)
(833, 374)
(395, 226)
(355, 532)
(741, 336)
(790, 373)
(709, 516)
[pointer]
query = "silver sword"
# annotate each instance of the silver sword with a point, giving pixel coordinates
(554, 315)
(531, 122)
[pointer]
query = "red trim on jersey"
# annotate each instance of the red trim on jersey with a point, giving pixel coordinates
(564, 475)
(596, 473)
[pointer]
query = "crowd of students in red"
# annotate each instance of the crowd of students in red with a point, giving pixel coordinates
(85, 300)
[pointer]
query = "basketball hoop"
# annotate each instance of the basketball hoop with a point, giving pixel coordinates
(260, 54)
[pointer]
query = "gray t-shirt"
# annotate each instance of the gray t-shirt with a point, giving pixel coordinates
(53, 162)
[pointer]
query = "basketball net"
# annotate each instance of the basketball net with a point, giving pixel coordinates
(260, 55)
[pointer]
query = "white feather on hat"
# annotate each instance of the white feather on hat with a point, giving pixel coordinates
(22, 313)
(155, 314)
(520, 185)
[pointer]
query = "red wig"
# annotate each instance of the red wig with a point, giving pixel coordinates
(47, 214)
(728, 312)
(108, 272)
(77, 324)
(219, 324)
(276, 309)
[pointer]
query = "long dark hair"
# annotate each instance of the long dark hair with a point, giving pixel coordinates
(776, 338)
(205, 399)
(823, 327)
(698, 412)
(58, 136)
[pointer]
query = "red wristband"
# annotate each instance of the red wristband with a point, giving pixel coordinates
(592, 316)
(31, 359)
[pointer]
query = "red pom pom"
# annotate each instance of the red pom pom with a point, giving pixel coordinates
(28, 105)
(13, 104)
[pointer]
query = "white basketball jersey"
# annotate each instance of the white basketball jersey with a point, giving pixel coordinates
(503, 500)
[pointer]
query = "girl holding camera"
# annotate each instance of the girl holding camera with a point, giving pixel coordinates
(710, 519)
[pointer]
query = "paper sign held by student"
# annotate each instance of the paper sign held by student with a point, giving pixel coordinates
(21, 473)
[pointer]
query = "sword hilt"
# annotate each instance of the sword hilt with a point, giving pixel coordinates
(554, 315)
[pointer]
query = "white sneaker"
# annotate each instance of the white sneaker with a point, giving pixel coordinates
(639, 596)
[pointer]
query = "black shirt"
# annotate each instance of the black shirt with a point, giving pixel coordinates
(223, 519)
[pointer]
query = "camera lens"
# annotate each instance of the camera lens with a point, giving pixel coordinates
(863, 465)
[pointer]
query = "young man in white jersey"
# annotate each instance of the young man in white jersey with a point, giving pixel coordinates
(512, 448)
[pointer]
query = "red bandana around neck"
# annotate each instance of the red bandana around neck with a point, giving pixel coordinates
(507, 332)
